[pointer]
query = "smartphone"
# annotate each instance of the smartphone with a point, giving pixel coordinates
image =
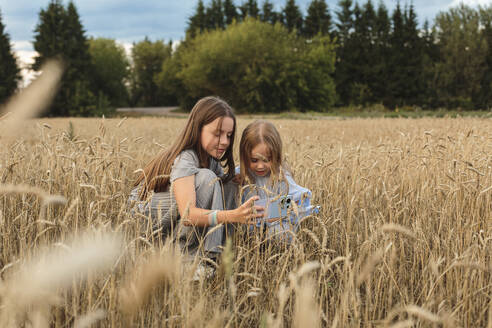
(276, 209)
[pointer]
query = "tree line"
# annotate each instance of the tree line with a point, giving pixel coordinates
(263, 60)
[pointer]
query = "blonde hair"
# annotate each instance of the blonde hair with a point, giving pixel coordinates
(256, 133)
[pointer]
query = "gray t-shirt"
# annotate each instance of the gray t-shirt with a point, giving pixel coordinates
(187, 164)
(161, 206)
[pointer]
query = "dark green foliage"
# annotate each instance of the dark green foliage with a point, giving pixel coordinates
(406, 85)
(148, 60)
(366, 58)
(396, 59)
(198, 22)
(9, 71)
(381, 57)
(318, 19)
(292, 16)
(430, 59)
(110, 70)
(214, 15)
(318, 92)
(459, 73)
(60, 33)
(257, 67)
(230, 11)
(414, 61)
(168, 81)
(50, 34)
(249, 9)
(346, 52)
(268, 15)
(345, 21)
(484, 97)
(381, 69)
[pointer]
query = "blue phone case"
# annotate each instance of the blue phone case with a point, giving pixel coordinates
(276, 209)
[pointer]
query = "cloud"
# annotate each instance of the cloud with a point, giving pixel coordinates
(471, 3)
(25, 58)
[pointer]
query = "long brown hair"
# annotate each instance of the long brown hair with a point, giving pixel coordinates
(261, 131)
(155, 175)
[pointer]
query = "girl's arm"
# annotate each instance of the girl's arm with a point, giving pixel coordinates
(184, 193)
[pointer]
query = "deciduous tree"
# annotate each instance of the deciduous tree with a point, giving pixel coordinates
(110, 70)
(148, 58)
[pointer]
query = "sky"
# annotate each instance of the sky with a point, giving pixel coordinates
(130, 21)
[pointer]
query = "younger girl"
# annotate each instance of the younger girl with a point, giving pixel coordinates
(184, 190)
(263, 173)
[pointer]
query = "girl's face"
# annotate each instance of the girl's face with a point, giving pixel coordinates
(215, 138)
(260, 160)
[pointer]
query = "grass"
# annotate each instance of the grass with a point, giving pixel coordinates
(404, 237)
(375, 111)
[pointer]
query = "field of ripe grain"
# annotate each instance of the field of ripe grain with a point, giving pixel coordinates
(404, 237)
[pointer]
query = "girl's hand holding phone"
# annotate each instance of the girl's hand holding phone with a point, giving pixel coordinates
(248, 212)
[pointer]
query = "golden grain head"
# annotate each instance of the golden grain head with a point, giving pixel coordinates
(33, 100)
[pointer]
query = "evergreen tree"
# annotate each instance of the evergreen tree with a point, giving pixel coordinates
(243, 11)
(214, 15)
(346, 51)
(77, 46)
(292, 16)
(318, 19)
(359, 89)
(230, 11)
(414, 59)
(369, 23)
(50, 33)
(77, 75)
(60, 33)
(345, 20)
(9, 71)
(365, 26)
(430, 58)
(198, 22)
(382, 25)
(396, 83)
(268, 15)
(381, 33)
(429, 41)
(254, 11)
(249, 8)
(405, 72)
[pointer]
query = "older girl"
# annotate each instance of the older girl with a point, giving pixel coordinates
(184, 189)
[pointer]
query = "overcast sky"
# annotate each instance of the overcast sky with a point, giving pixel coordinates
(128, 21)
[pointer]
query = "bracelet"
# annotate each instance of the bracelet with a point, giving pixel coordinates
(212, 218)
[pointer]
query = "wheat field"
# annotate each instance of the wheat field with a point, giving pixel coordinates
(404, 237)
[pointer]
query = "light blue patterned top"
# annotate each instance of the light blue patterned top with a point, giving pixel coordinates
(300, 195)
